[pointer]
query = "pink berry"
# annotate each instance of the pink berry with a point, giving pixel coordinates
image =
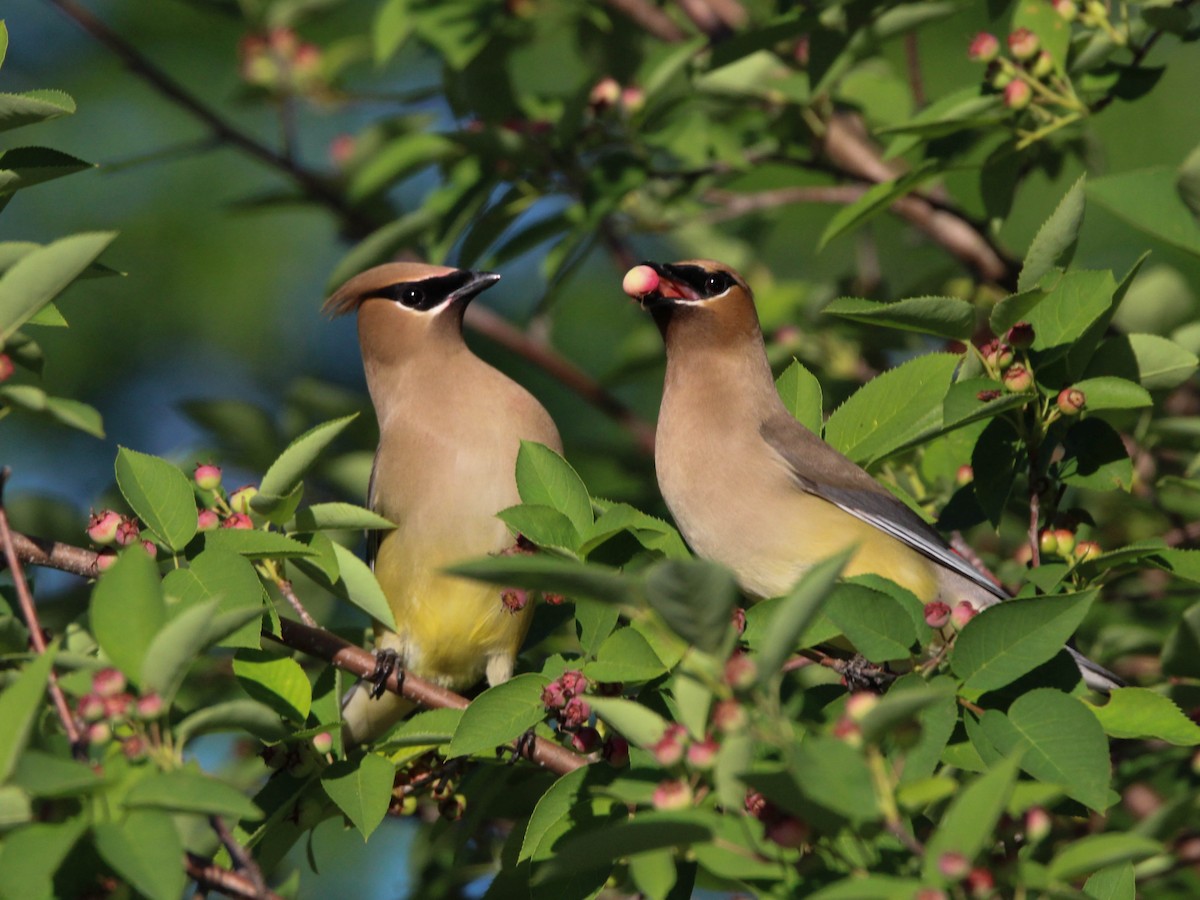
(639, 281)
(553, 696)
(1064, 538)
(105, 558)
(127, 532)
(108, 683)
(788, 831)
(238, 521)
(953, 866)
(729, 716)
(633, 98)
(860, 703)
(1067, 9)
(322, 742)
(848, 730)
(1023, 44)
(135, 747)
(1071, 401)
(1037, 824)
(207, 476)
(207, 520)
(964, 476)
(740, 671)
(149, 706)
(1018, 379)
(150, 548)
(576, 713)
(1020, 336)
(102, 527)
(605, 93)
(514, 599)
(6, 367)
(984, 48)
(91, 708)
(616, 752)
(702, 754)
(937, 614)
(668, 751)
(586, 739)
(963, 613)
(672, 795)
(1086, 550)
(574, 682)
(99, 733)
(1017, 94)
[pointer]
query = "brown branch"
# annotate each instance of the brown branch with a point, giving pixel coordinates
(849, 149)
(310, 183)
(238, 854)
(912, 57)
(357, 661)
(651, 18)
(493, 326)
(211, 876)
(337, 652)
(733, 204)
(29, 613)
(53, 555)
(289, 594)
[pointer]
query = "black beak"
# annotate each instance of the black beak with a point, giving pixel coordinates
(474, 284)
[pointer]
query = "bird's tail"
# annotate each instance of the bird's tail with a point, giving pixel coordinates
(1095, 676)
(365, 718)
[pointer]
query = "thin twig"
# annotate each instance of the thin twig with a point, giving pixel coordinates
(733, 205)
(912, 56)
(241, 858)
(211, 876)
(29, 613)
(337, 652)
(289, 594)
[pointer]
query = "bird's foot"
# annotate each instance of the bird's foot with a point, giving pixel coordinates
(386, 662)
(860, 675)
(523, 746)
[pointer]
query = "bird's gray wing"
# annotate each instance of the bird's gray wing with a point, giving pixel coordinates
(851, 489)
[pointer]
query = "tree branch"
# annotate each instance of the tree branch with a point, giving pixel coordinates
(211, 876)
(331, 648)
(238, 854)
(651, 18)
(29, 613)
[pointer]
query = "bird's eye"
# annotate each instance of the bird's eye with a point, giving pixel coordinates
(412, 296)
(714, 285)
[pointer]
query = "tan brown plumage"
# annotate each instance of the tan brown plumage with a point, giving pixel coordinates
(751, 487)
(450, 426)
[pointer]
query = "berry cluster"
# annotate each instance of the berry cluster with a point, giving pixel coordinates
(1000, 360)
(607, 94)
(563, 698)
(109, 712)
(281, 63)
(780, 828)
(217, 509)
(110, 531)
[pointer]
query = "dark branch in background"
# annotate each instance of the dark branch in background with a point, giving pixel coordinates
(357, 223)
(29, 614)
(651, 18)
(731, 205)
(912, 57)
(212, 877)
(241, 858)
(331, 648)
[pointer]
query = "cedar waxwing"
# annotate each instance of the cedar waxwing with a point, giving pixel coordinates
(752, 488)
(450, 427)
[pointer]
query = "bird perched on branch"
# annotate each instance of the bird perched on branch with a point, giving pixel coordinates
(752, 488)
(450, 427)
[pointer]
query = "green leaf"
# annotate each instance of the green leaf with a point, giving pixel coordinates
(1113, 883)
(160, 495)
(391, 28)
(796, 611)
(830, 776)
(649, 830)
(594, 622)
(44, 775)
(24, 167)
(41, 275)
(653, 873)
(1060, 315)
(1094, 457)
(968, 823)
(947, 317)
(1109, 392)
(75, 414)
(651, 532)
(285, 473)
(547, 573)
(543, 525)
(1187, 183)
(1148, 200)
(398, 159)
(19, 705)
(1142, 714)
(890, 408)
(127, 610)
(361, 789)
(17, 110)
(254, 543)
(1098, 851)
(15, 807)
(277, 681)
(898, 707)
(874, 622)
(1059, 740)
(1181, 653)
(801, 394)
(639, 724)
(229, 579)
(186, 791)
(500, 715)
(870, 887)
(873, 201)
(180, 641)
(995, 460)
(1008, 639)
(1154, 362)
(257, 718)
(383, 243)
(546, 479)
(625, 657)
(1053, 31)
(1055, 240)
(30, 856)
(144, 849)
(552, 807)
(336, 516)
(695, 598)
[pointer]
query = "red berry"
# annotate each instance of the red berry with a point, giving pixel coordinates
(514, 599)
(207, 520)
(238, 521)
(322, 742)
(6, 367)
(740, 671)
(135, 747)
(127, 532)
(553, 696)
(576, 713)
(1017, 94)
(702, 754)
(574, 682)
(984, 47)
(964, 476)
(105, 558)
(149, 706)
(937, 614)
(980, 883)
(1018, 379)
(102, 527)
(108, 683)
(586, 739)
(1020, 336)
(1071, 401)
(672, 795)
(207, 476)
(846, 729)
(963, 613)
(953, 865)
(729, 716)
(616, 751)
(1023, 44)
(787, 831)
(1086, 550)
(150, 548)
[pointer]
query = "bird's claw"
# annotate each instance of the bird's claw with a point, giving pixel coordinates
(861, 675)
(386, 662)
(523, 746)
